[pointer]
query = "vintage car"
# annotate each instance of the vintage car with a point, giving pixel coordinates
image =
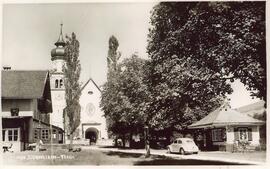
(183, 146)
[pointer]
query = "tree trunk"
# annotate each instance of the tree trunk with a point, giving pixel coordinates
(130, 140)
(116, 142)
(147, 149)
(147, 145)
(70, 148)
(124, 140)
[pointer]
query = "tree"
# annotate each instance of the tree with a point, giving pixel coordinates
(226, 37)
(72, 70)
(184, 86)
(124, 97)
(113, 55)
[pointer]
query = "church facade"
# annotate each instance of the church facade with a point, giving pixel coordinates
(93, 123)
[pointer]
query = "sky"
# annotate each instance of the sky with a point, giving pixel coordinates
(30, 31)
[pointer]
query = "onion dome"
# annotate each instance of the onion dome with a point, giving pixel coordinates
(59, 51)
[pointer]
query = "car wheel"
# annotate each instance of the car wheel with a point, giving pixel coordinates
(182, 151)
(169, 150)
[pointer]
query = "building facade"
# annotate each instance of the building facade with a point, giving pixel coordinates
(26, 109)
(57, 81)
(224, 127)
(93, 124)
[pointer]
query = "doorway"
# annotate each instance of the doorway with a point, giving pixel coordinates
(92, 135)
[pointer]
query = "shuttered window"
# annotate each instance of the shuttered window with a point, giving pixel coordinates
(243, 133)
(219, 135)
(249, 134)
(236, 135)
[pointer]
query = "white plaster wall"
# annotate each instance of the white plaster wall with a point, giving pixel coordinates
(21, 113)
(255, 136)
(230, 135)
(58, 103)
(98, 115)
(58, 65)
(16, 145)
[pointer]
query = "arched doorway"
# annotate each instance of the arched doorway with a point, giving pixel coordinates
(91, 134)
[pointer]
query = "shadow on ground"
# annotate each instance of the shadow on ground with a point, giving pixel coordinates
(124, 155)
(170, 161)
(163, 160)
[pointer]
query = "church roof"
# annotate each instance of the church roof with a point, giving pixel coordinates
(92, 82)
(23, 84)
(225, 116)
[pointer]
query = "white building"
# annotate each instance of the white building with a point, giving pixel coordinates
(93, 123)
(225, 126)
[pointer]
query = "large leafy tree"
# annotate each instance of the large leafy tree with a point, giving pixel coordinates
(72, 70)
(228, 38)
(186, 85)
(124, 97)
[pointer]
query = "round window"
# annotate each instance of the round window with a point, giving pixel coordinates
(90, 109)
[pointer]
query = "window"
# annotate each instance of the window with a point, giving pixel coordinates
(54, 133)
(14, 111)
(56, 83)
(218, 135)
(36, 133)
(10, 134)
(179, 142)
(45, 134)
(175, 142)
(3, 135)
(59, 137)
(15, 135)
(61, 83)
(243, 134)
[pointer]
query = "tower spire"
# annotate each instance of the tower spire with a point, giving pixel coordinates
(61, 40)
(59, 51)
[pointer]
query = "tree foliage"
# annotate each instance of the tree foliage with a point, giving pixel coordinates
(124, 97)
(228, 38)
(113, 54)
(72, 70)
(195, 47)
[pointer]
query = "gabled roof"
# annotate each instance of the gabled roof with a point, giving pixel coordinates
(23, 84)
(90, 79)
(225, 116)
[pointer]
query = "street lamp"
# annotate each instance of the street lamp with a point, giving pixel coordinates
(147, 146)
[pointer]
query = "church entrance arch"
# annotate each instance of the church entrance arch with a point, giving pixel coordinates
(92, 134)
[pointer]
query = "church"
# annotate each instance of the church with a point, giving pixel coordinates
(93, 123)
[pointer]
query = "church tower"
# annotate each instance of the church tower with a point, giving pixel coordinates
(57, 81)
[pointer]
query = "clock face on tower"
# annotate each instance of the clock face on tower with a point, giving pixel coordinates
(90, 109)
(59, 97)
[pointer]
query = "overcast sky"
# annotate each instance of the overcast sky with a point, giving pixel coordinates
(30, 31)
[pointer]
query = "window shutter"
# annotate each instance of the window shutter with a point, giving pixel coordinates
(224, 135)
(236, 134)
(249, 134)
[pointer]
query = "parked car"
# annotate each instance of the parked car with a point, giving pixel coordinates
(183, 146)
